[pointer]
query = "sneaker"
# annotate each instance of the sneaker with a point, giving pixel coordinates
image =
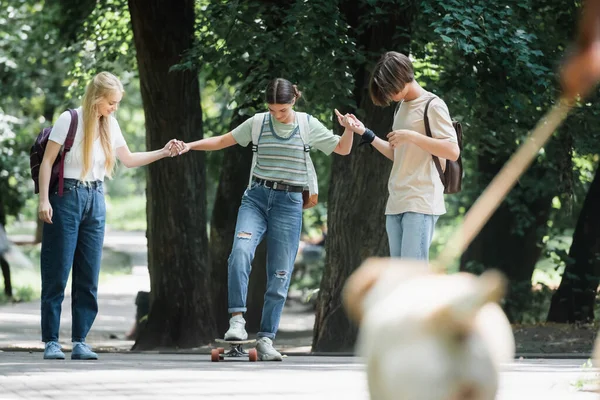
(53, 351)
(81, 351)
(266, 352)
(237, 330)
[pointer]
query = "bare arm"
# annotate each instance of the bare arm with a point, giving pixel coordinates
(345, 144)
(138, 159)
(211, 143)
(349, 121)
(437, 147)
(383, 147)
(50, 154)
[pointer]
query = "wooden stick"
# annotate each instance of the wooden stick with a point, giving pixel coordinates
(497, 190)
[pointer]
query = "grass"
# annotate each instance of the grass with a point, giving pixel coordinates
(26, 279)
(126, 213)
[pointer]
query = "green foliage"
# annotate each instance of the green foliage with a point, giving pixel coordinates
(104, 43)
(27, 61)
(243, 45)
(495, 65)
(250, 43)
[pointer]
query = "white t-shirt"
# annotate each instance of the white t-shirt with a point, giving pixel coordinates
(74, 159)
(415, 184)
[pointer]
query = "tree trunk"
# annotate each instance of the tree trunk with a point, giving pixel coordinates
(515, 254)
(512, 241)
(181, 310)
(4, 266)
(575, 298)
(358, 186)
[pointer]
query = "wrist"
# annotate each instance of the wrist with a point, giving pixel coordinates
(360, 130)
(368, 136)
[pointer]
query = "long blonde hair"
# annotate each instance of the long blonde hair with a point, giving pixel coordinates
(101, 86)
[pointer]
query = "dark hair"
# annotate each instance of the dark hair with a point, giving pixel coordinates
(391, 73)
(281, 91)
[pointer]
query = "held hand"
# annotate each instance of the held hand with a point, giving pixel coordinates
(45, 211)
(399, 137)
(169, 149)
(350, 122)
(357, 125)
(175, 147)
(181, 147)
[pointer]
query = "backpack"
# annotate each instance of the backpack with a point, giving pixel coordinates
(309, 197)
(452, 176)
(36, 155)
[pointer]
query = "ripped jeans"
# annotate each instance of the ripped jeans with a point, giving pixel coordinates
(277, 215)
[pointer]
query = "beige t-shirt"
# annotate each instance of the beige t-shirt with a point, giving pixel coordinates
(415, 184)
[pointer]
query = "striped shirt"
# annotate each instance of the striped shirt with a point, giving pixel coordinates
(281, 159)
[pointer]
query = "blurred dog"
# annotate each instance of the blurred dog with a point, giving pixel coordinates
(429, 336)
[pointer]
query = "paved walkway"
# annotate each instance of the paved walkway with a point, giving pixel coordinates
(124, 375)
(167, 376)
(20, 323)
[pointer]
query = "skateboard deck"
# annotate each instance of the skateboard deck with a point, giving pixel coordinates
(236, 350)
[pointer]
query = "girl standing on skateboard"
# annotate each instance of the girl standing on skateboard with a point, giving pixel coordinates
(272, 205)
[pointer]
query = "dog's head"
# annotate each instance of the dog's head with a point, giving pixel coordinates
(428, 335)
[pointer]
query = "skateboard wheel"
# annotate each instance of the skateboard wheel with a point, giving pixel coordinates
(221, 350)
(252, 355)
(214, 355)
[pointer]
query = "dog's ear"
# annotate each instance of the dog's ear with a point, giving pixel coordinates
(359, 284)
(459, 314)
(384, 272)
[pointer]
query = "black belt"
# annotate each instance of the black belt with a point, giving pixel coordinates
(278, 185)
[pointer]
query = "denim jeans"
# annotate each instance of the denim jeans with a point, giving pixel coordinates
(75, 239)
(278, 215)
(410, 234)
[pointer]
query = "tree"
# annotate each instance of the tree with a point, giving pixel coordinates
(575, 299)
(181, 310)
(357, 194)
(495, 67)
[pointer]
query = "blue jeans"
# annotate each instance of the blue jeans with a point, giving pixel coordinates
(75, 239)
(278, 215)
(410, 234)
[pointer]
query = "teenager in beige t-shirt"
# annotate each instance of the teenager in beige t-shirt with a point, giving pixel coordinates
(416, 192)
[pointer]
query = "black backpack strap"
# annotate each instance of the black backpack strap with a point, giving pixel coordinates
(436, 160)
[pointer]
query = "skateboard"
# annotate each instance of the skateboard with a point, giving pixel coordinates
(236, 350)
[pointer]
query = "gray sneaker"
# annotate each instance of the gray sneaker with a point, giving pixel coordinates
(265, 349)
(237, 330)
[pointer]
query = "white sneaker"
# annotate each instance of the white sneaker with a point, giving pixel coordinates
(237, 330)
(266, 352)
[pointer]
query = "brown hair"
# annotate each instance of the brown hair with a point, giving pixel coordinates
(391, 73)
(281, 91)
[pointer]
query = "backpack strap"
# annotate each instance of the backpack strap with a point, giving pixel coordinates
(313, 186)
(67, 147)
(436, 160)
(257, 123)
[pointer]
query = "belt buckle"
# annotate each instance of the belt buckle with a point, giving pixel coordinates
(274, 185)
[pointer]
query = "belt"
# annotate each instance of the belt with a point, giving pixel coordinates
(77, 183)
(278, 185)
